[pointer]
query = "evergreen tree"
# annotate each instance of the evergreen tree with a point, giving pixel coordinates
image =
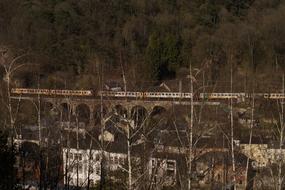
(163, 56)
(7, 160)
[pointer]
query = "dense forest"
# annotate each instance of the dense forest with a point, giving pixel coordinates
(151, 40)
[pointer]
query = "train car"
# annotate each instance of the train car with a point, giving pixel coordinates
(274, 96)
(222, 95)
(48, 92)
(164, 95)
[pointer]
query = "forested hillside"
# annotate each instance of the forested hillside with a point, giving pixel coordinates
(151, 39)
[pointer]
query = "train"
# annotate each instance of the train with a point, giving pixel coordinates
(115, 94)
(128, 94)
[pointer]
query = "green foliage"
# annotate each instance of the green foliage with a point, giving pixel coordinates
(208, 14)
(238, 7)
(163, 55)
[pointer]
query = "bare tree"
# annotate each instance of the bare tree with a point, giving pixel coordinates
(281, 140)
(250, 136)
(190, 153)
(232, 129)
(11, 65)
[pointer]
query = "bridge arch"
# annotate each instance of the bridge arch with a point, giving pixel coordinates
(97, 113)
(49, 109)
(28, 112)
(138, 114)
(120, 110)
(65, 110)
(83, 112)
(157, 110)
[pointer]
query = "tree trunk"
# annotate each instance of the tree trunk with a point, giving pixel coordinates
(232, 133)
(250, 138)
(129, 160)
(280, 178)
(190, 131)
